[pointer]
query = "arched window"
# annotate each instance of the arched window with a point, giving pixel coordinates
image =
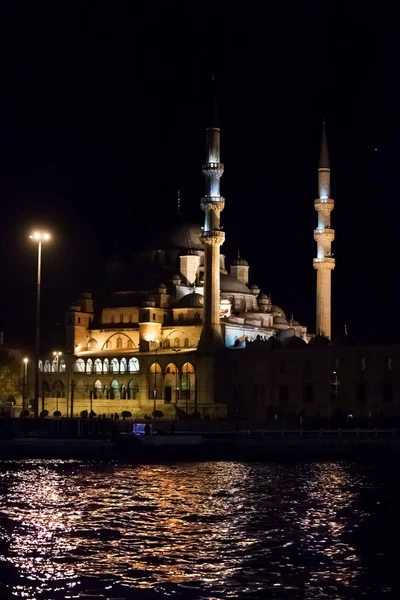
(47, 366)
(167, 343)
(155, 382)
(186, 343)
(133, 389)
(98, 366)
(122, 365)
(40, 366)
(112, 318)
(98, 390)
(123, 392)
(115, 395)
(176, 342)
(130, 319)
(106, 365)
(62, 367)
(187, 381)
(155, 368)
(92, 344)
(121, 318)
(89, 365)
(114, 365)
(129, 343)
(58, 389)
(108, 345)
(181, 318)
(196, 316)
(119, 343)
(133, 365)
(79, 366)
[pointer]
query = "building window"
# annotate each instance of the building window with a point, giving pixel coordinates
(97, 366)
(133, 365)
(283, 394)
(181, 318)
(114, 365)
(176, 342)
(308, 394)
(387, 392)
(186, 343)
(283, 366)
(154, 316)
(121, 318)
(129, 344)
(89, 365)
(122, 365)
(167, 343)
(388, 365)
(79, 319)
(107, 345)
(130, 319)
(79, 366)
(119, 343)
(112, 319)
(196, 317)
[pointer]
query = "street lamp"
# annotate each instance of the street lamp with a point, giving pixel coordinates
(25, 380)
(38, 237)
(57, 359)
(155, 382)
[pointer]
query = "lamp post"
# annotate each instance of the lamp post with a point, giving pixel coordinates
(155, 384)
(38, 237)
(25, 380)
(57, 359)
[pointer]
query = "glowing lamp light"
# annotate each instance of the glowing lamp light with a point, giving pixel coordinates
(26, 360)
(40, 236)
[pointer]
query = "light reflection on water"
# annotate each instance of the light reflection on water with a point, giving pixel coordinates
(206, 530)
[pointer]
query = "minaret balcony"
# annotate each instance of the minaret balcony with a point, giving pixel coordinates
(324, 264)
(212, 169)
(321, 205)
(213, 237)
(324, 236)
(215, 203)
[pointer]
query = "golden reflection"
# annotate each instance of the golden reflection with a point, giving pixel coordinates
(212, 526)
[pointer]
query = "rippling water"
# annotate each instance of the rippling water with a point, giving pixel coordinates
(205, 530)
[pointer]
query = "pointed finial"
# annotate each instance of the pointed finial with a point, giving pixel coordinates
(345, 330)
(324, 156)
(179, 202)
(238, 254)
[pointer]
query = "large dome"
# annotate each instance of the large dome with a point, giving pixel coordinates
(184, 236)
(231, 284)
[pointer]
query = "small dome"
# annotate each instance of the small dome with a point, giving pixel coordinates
(229, 283)
(162, 286)
(294, 342)
(263, 299)
(176, 279)
(240, 262)
(192, 300)
(254, 289)
(295, 323)
(319, 341)
(277, 309)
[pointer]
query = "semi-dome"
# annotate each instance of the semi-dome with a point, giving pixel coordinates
(193, 300)
(280, 320)
(319, 341)
(263, 299)
(229, 283)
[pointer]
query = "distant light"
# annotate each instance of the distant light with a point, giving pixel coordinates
(26, 360)
(376, 149)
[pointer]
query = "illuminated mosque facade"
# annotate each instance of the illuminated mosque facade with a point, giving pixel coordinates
(160, 339)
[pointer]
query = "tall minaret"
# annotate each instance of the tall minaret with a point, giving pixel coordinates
(324, 236)
(212, 237)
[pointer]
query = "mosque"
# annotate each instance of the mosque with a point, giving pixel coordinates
(156, 344)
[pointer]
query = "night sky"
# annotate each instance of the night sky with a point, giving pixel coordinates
(103, 107)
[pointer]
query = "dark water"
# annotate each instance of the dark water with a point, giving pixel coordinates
(210, 530)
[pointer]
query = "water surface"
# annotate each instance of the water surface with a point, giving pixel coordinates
(198, 530)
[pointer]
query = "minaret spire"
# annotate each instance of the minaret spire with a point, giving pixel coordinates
(324, 236)
(212, 237)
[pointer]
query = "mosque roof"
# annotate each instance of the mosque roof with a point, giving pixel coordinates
(293, 342)
(231, 284)
(279, 312)
(184, 236)
(193, 300)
